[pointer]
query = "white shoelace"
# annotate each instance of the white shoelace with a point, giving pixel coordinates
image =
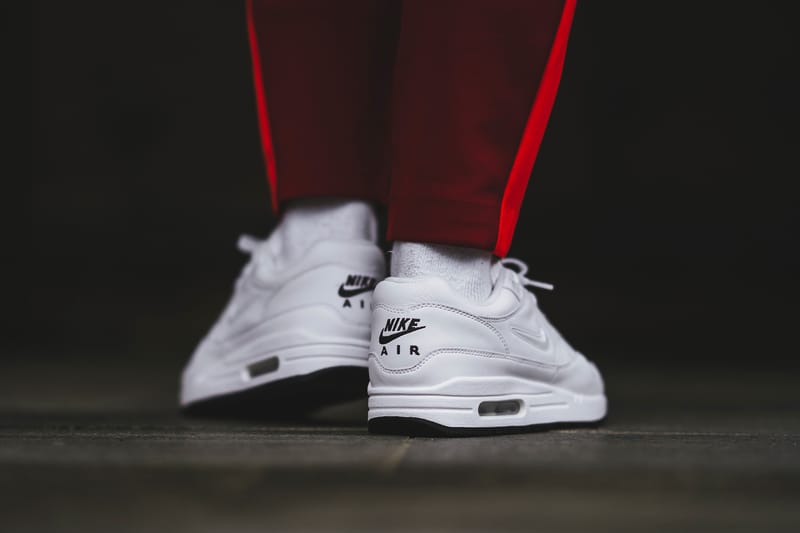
(248, 244)
(521, 269)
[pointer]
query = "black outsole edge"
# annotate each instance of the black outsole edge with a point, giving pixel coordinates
(286, 399)
(418, 427)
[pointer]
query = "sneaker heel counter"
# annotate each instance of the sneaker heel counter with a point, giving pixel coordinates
(398, 338)
(425, 343)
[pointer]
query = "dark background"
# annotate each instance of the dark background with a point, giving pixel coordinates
(661, 205)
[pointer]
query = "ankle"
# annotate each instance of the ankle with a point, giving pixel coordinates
(308, 221)
(467, 270)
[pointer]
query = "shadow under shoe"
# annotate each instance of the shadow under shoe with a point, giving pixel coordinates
(294, 398)
(417, 427)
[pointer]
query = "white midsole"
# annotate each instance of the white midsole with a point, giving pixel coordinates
(226, 378)
(469, 403)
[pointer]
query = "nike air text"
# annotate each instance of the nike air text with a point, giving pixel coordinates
(355, 285)
(396, 328)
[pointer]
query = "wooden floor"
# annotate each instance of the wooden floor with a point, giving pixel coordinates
(99, 447)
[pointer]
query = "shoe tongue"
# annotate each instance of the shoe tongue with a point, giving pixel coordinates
(496, 270)
(265, 258)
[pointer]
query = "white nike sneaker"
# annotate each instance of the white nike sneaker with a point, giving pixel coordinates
(297, 332)
(442, 365)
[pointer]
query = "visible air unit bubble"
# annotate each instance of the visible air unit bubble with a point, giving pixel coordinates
(265, 366)
(500, 408)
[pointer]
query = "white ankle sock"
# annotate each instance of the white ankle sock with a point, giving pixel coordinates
(305, 222)
(467, 270)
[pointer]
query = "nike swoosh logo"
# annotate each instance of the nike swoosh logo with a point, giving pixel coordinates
(539, 340)
(383, 339)
(349, 293)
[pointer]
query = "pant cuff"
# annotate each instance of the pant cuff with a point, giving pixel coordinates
(443, 221)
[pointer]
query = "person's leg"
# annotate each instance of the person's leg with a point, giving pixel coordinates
(458, 343)
(322, 74)
(474, 85)
(298, 325)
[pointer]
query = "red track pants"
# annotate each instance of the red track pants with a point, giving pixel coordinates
(434, 108)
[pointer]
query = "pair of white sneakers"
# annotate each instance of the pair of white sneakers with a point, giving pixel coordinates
(302, 335)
